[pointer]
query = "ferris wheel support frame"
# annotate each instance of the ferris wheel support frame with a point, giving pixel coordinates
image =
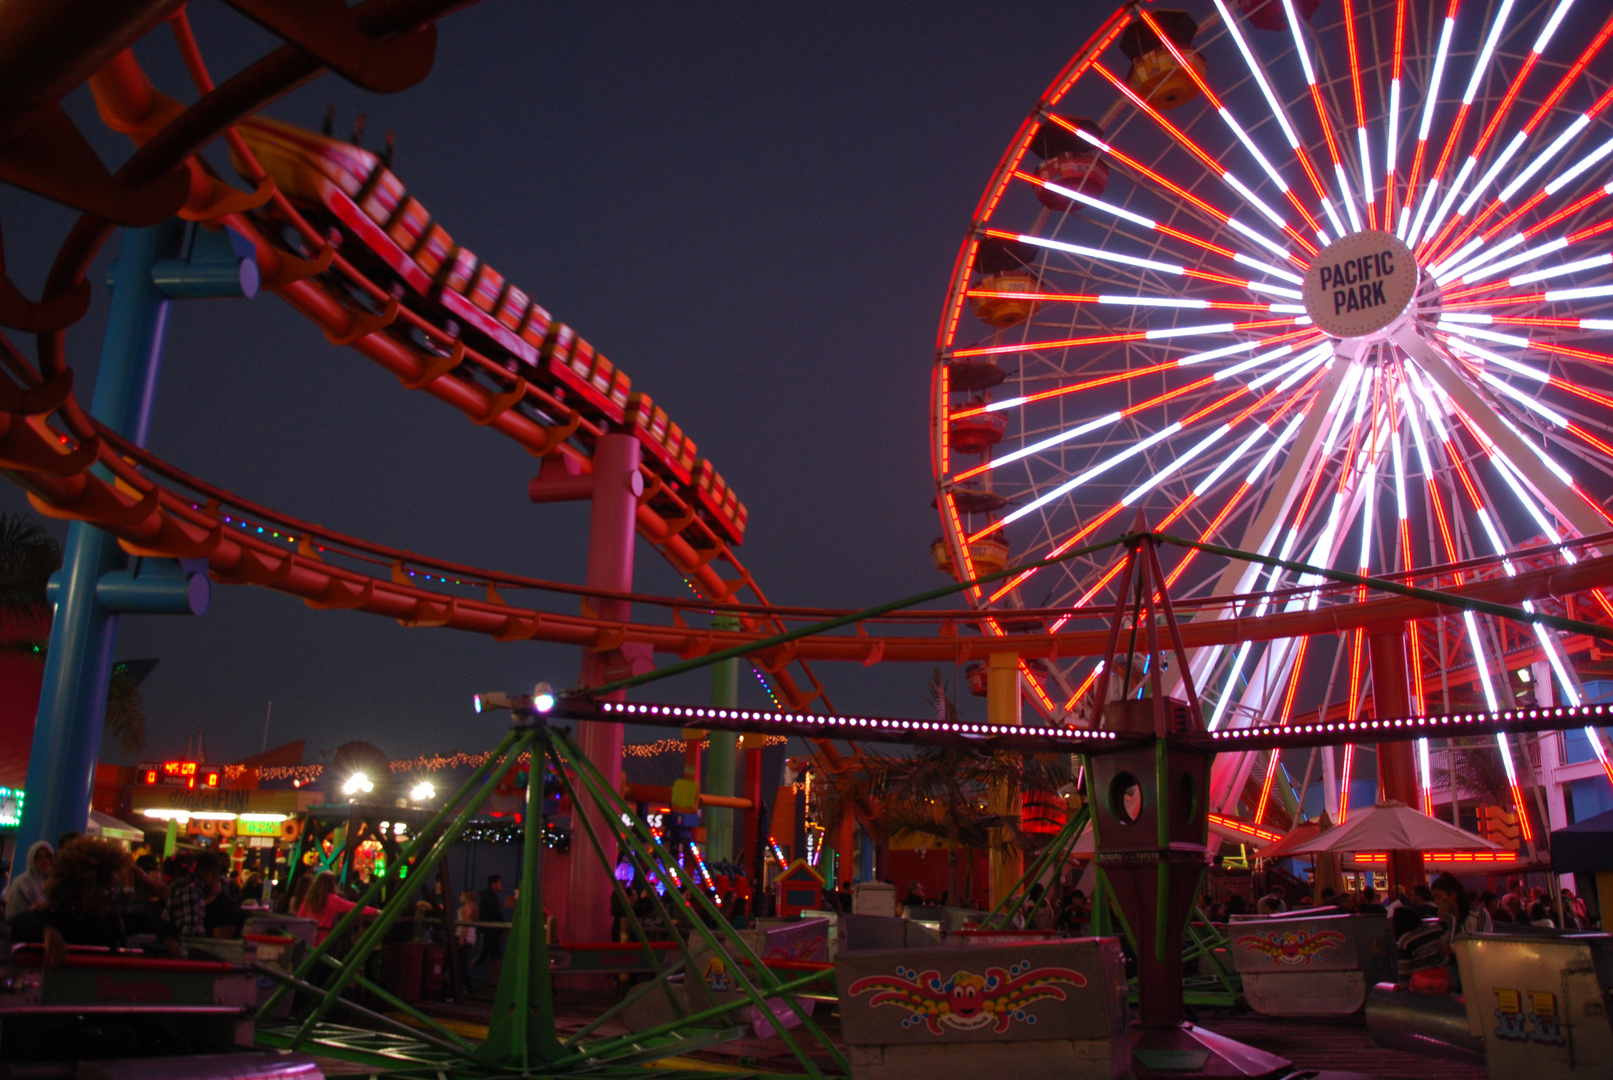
(1262, 532)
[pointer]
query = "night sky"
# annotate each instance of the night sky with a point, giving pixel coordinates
(752, 209)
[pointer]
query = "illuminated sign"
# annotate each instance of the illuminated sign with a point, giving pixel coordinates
(1360, 285)
(185, 774)
(10, 806)
(247, 827)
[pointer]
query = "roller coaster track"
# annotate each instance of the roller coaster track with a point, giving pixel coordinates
(48, 443)
(165, 176)
(294, 557)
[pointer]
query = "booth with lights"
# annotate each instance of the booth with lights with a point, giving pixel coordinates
(191, 800)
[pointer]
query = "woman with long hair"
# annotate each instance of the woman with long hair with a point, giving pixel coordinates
(79, 896)
(299, 891)
(1457, 915)
(325, 905)
(1452, 900)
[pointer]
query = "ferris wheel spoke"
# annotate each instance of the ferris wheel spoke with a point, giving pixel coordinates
(1391, 141)
(1159, 266)
(1093, 381)
(1566, 501)
(1517, 482)
(1160, 334)
(1523, 135)
(1488, 262)
(1138, 301)
(1425, 126)
(1065, 545)
(1575, 207)
(1203, 330)
(1114, 417)
(1184, 64)
(1280, 115)
(1363, 147)
(1593, 262)
(1197, 492)
(1302, 364)
(1453, 135)
(1119, 212)
(1340, 174)
(1514, 88)
(1551, 187)
(1263, 531)
(1215, 168)
(1475, 638)
(1246, 231)
(1195, 240)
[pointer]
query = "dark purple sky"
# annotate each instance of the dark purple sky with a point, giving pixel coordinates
(752, 209)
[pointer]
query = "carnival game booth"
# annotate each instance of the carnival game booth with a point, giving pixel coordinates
(220, 815)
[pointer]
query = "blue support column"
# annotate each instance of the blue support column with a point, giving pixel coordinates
(72, 701)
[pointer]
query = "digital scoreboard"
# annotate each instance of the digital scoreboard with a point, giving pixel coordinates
(181, 774)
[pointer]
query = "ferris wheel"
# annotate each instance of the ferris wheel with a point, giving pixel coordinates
(1325, 280)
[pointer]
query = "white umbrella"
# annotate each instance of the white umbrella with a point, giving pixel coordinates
(1296, 840)
(1393, 826)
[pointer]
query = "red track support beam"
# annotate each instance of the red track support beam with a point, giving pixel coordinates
(616, 488)
(1397, 762)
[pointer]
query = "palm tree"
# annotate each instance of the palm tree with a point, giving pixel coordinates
(945, 792)
(125, 709)
(28, 557)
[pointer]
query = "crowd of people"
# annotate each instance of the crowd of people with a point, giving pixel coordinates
(88, 891)
(1521, 904)
(85, 890)
(1427, 918)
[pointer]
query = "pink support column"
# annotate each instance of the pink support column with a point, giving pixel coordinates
(616, 488)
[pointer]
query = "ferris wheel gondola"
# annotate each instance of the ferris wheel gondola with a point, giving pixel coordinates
(1321, 281)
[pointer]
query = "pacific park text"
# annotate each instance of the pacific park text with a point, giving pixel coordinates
(1362, 279)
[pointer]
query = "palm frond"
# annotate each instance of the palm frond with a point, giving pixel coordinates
(28, 557)
(125, 712)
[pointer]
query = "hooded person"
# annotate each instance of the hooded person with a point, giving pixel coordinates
(27, 889)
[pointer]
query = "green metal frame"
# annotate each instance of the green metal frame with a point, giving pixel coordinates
(1215, 985)
(522, 1038)
(1018, 898)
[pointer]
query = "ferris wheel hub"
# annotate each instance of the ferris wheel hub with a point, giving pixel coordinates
(1361, 286)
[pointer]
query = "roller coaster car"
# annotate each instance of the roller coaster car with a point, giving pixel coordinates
(347, 185)
(586, 374)
(723, 508)
(661, 436)
(1155, 74)
(1070, 162)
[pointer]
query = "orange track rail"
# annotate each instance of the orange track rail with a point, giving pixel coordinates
(168, 135)
(48, 443)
